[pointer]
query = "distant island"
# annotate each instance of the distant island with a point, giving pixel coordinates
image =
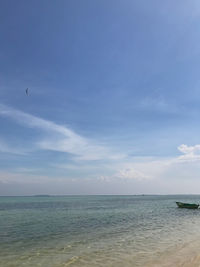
(41, 196)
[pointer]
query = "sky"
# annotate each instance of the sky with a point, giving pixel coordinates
(113, 104)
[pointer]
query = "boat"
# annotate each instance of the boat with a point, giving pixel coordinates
(187, 205)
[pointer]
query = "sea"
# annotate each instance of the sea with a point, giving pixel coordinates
(144, 230)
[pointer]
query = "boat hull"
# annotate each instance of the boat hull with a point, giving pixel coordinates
(187, 205)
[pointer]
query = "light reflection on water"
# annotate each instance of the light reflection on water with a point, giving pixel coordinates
(95, 230)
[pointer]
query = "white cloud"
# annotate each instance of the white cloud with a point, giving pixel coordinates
(189, 149)
(159, 169)
(191, 153)
(59, 137)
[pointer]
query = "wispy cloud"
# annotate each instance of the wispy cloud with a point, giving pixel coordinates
(7, 177)
(126, 174)
(115, 167)
(157, 104)
(5, 148)
(59, 137)
(146, 175)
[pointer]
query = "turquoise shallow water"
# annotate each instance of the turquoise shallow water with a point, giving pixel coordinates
(96, 230)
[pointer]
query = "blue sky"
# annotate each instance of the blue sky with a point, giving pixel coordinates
(113, 104)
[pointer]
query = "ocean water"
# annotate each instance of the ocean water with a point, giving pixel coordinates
(97, 231)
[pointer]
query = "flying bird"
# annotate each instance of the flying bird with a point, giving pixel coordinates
(27, 91)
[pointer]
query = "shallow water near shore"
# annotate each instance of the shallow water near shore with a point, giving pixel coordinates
(98, 231)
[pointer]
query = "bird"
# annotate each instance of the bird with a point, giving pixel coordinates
(27, 91)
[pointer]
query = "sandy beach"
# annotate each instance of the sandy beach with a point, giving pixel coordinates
(187, 255)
